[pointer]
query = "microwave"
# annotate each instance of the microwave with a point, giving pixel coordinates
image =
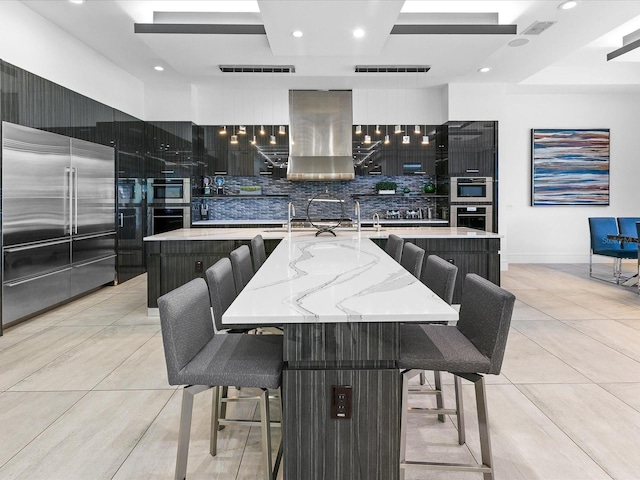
(471, 189)
(169, 190)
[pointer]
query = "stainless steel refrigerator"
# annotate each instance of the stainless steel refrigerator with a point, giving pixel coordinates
(58, 219)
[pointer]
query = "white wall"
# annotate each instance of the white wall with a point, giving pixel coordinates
(553, 234)
(38, 46)
(216, 106)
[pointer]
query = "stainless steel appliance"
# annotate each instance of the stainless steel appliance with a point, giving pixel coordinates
(479, 217)
(471, 189)
(169, 190)
(169, 217)
(58, 222)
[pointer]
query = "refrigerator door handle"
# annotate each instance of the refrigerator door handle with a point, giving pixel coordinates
(69, 214)
(121, 220)
(27, 280)
(97, 260)
(33, 246)
(75, 196)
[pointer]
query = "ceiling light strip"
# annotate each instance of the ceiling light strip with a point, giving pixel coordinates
(454, 30)
(200, 28)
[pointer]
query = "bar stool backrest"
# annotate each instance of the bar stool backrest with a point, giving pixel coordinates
(485, 317)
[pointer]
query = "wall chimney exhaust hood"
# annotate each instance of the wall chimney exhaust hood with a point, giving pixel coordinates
(320, 143)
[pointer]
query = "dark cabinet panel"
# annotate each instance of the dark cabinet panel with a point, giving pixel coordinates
(169, 149)
(365, 446)
(33, 101)
(472, 148)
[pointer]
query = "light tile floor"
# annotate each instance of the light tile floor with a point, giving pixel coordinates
(83, 392)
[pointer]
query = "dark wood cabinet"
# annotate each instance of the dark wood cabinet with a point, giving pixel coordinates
(472, 148)
(169, 149)
(471, 255)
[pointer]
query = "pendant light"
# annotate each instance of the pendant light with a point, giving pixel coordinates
(272, 137)
(234, 137)
(416, 129)
(358, 129)
(406, 139)
(386, 136)
(262, 130)
(223, 130)
(378, 130)
(282, 130)
(397, 129)
(242, 130)
(253, 138)
(425, 137)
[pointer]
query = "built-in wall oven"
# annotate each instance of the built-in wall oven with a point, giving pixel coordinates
(169, 190)
(471, 189)
(167, 218)
(475, 216)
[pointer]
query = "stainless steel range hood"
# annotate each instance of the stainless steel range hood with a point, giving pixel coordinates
(320, 143)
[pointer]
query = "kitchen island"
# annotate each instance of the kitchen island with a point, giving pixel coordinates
(174, 258)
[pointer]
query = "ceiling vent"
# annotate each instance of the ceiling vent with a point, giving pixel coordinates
(537, 28)
(257, 69)
(392, 68)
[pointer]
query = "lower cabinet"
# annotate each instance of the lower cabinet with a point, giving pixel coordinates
(171, 264)
(471, 255)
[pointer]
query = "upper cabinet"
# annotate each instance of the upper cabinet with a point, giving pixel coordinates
(472, 148)
(395, 149)
(169, 149)
(240, 156)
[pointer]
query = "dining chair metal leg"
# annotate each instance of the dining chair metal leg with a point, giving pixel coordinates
(266, 434)
(222, 412)
(184, 430)
(437, 380)
(457, 383)
(483, 425)
(216, 406)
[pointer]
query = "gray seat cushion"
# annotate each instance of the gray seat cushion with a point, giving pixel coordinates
(439, 347)
(237, 360)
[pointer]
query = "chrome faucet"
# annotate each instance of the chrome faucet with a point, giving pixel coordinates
(376, 221)
(291, 211)
(357, 212)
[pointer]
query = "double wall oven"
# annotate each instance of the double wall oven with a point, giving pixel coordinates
(472, 202)
(169, 201)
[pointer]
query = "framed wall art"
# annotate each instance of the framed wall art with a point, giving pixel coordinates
(570, 166)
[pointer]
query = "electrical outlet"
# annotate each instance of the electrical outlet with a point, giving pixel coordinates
(199, 268)
(341, 402)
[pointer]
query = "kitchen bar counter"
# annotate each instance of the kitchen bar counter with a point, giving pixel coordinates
(281, 232)
(176, 257)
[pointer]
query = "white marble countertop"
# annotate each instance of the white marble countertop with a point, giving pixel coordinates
(324, 279)
(280, 233)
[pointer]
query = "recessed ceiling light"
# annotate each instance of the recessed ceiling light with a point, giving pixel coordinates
(518, 42)
(297, 33)
(158, 68)
(77, 2)
(568, 5)
(358, 33)
(484, 69)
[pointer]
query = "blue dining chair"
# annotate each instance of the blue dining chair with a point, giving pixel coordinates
(627, 227)
(599, 228)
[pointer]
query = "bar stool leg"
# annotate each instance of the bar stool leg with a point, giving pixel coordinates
(266, 435)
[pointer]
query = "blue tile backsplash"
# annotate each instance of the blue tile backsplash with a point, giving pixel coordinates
(231, 206)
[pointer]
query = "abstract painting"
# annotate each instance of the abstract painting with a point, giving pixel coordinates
(570, 167)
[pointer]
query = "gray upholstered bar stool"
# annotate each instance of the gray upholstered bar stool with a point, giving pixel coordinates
(242, 266)
(472, 347)
(440, 276)
(199, 359)
(394, 247)
(412, 258)
(258, 252)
